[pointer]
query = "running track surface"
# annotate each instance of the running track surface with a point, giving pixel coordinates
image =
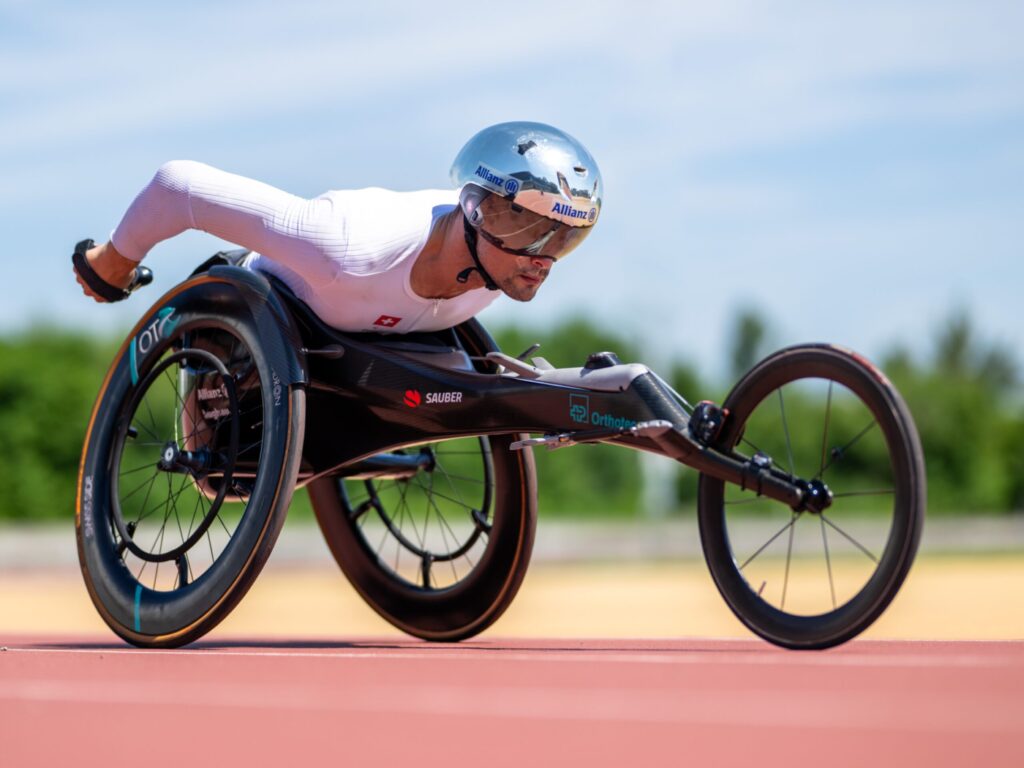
(86, 702)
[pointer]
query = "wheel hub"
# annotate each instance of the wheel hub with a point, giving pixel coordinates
(817, 496)
(173, 459)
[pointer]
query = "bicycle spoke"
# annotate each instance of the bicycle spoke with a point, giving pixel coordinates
(426, 511)
(123, 472)
(448, 549)
(152, 420)
(463, 477)
(412, 519)
(177, 519)
(455, 537)
(139, 487)
(789, 557)
(880, 492)
(165, 502)
(152, 434)
(764, 546)
(849, 538)
(145, 500)
(837, 453)
(452, 485)
(828, 564)
(453, 501)
(195, 510)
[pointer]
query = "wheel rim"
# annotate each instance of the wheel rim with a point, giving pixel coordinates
(186, 448)
(429, 530)
(807, 564)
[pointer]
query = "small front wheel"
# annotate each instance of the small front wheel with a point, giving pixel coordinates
(818, 577)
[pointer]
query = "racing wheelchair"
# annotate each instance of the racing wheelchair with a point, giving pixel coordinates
(416, 451)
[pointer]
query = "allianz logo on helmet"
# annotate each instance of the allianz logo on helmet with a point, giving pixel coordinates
(562, 209)
(509, 186)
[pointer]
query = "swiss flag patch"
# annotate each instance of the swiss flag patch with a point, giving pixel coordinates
(387, 321)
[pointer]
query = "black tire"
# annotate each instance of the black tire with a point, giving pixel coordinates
(187, 470)
(441, 554)
(819, 412)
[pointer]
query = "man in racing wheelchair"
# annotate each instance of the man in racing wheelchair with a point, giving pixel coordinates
(374, 259)
(209, 399)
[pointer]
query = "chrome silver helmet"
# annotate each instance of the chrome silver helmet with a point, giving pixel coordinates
(528, 188)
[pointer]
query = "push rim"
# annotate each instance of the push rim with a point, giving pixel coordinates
(185, 454)
(428, 529)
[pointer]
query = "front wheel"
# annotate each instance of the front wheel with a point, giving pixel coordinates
(808, 579)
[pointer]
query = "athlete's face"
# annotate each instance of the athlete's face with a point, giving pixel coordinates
(519, 277)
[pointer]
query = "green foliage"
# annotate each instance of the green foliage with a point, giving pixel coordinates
(748, 340)
(48, 382)
(969, 420)
(965, 398)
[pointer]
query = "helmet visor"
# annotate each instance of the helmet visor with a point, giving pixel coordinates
(519, 230)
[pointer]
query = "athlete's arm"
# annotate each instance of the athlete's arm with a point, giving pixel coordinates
(186, 195)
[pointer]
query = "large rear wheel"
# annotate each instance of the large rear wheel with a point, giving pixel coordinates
(187, 472)
(437, 539)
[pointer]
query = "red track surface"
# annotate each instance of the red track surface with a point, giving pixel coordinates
(494, 703)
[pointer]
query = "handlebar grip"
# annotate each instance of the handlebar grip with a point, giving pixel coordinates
(143, 276)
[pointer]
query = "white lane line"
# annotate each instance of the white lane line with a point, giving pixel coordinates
(768, 707)
(672, 657)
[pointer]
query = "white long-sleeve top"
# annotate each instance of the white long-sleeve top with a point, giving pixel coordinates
(347, 253)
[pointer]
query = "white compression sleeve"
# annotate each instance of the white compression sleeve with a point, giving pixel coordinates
(189, 195)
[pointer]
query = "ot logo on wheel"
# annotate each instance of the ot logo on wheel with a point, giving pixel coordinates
(412, 398)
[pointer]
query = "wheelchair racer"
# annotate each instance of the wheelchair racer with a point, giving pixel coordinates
(373, 259)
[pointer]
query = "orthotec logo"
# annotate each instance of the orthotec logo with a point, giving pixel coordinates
(580, 413)
(579, 408)
(574, 213)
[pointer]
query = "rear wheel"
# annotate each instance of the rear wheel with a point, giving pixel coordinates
(816, 579)
(186, 476)
(438, 545)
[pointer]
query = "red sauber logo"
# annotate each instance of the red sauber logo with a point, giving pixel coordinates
(412, 398)
(387, 321)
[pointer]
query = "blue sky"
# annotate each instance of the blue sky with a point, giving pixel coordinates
(852, 170)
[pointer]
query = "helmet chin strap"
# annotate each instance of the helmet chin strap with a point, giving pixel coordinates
(463, 276)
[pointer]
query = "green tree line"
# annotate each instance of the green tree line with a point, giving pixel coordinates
(966, 399)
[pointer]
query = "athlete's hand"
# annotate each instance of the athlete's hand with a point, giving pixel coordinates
(110, 265)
